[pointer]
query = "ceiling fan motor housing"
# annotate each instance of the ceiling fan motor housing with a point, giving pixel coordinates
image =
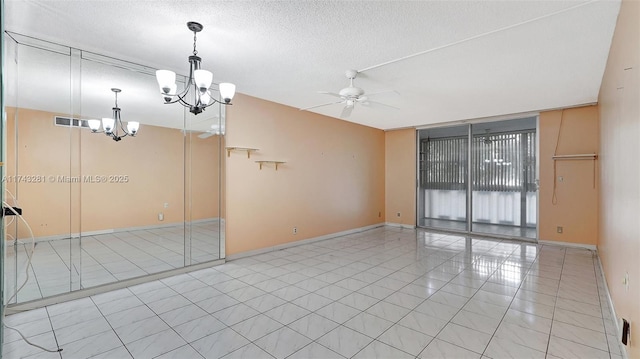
(352, 92)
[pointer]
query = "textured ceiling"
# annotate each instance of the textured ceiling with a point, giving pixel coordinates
(446, 60)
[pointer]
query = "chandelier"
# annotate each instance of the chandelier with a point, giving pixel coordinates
(199, 80)
(114, 127)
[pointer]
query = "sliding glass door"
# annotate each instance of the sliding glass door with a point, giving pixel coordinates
(504, 178)
(443, 178)
(479, 178)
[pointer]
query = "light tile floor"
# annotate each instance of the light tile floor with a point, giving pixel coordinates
(383, 293)
(60, 265)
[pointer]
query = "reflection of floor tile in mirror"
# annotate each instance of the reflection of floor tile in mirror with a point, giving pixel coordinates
(106, 258)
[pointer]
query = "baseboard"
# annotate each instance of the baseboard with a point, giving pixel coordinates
(113, 230)
(300, 242)
(613, 309)
(568, 244)
(399, 225)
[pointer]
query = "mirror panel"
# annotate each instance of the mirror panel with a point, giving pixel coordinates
(101, 210)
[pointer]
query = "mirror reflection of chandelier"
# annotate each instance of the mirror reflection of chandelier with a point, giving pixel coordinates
(199, 80)
(114, 127)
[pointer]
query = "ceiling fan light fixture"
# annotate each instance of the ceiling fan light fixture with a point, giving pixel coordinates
(199, 80)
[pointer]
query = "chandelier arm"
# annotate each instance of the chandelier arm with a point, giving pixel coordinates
(122, 128)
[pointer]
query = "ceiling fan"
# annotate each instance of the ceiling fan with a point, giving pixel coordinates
(215, 129)
(206, 128)
(350, 96)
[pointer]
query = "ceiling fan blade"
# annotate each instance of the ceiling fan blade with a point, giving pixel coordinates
(376, 103)
(205, 135)
(346, 111)
(330, 93)
(381, 92)
(324, 104)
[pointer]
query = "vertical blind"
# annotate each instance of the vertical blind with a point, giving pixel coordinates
(503, 162)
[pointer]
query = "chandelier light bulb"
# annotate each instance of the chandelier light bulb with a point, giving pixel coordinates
(205, 98)
(94, 125)
(227, 91)
(107, 124)
(166, 81)
(173, 89)
(132, 127)
(203, 79)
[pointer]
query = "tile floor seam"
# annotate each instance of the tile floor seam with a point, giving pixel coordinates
(555, 306)
(509, 306)
(53, 332)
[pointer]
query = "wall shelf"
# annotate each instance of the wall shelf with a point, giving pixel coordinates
(582, 156)
(276, 163)
(244, 149)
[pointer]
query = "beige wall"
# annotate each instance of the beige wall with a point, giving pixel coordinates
(400, 176)
(333, 180)
(153, 161)
(619, 245)
(576, 205)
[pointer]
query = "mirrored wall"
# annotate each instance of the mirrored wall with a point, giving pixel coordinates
(101, 211)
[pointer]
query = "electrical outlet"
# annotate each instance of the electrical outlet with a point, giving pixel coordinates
(166, 205)
(559, 229)
(295, 230)
(379, 214)
(160, 216)
(398, 214)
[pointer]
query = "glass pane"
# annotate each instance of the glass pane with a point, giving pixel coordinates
(442, 193)
(503, 174)
(38, 162)
(133, 190)
(204, 138)
(5, 44)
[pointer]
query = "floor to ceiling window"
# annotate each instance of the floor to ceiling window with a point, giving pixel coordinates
(479, 178)
(102, 211)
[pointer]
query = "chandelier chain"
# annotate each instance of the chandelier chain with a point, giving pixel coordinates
(195, 52)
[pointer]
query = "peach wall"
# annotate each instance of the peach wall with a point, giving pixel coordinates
(576, 205)
(400, 176)
(333, 180)
(619, 245)
(153, 161)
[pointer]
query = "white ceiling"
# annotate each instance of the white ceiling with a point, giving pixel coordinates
(449, 60)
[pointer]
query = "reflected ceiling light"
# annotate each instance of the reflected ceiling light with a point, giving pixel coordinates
(114, 127)
(199, 80)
